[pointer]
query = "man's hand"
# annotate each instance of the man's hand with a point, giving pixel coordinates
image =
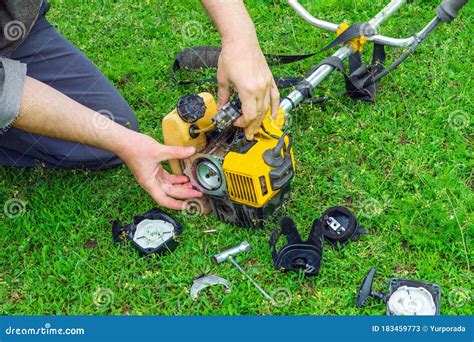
(42, 105)
(242, 64)
(143, 156)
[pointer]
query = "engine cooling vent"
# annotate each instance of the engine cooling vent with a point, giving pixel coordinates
(241, 188)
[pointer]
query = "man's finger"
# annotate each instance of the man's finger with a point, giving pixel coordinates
(275, 99)
(171, 203)
(267, 102)
(188, 185)
(263, 103)
(181, 192)
(162, 199)
(249, 111)
(174, 179)
(223, 93)
(260, 105)
(176, 152)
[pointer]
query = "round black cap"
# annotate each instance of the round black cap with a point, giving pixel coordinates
(191, 108)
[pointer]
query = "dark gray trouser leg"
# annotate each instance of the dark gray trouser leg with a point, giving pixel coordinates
(51, 59)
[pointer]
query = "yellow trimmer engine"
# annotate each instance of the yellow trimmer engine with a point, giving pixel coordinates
(244, 181)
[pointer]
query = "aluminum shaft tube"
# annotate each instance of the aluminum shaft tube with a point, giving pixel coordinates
(322, 24)
(325, 25)
(295, 97)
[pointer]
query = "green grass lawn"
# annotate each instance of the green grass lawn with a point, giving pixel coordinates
(403, 165)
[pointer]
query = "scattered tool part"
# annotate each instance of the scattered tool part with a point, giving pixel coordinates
(298, 255)
(229, 255)
(210, 231)
(153, 232)
(340, 226)
(205, 281)
(405, 297)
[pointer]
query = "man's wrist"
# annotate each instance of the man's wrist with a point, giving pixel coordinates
(241, 36)
(232, 21)
(121, 140)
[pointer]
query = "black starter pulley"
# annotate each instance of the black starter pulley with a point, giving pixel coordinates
(153, 232)
(340, 226)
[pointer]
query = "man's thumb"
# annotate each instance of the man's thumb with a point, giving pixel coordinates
(176, 152)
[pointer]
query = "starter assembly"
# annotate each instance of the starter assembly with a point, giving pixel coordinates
(297, 254)
(153, 232)
(244, 181)
(405, 297)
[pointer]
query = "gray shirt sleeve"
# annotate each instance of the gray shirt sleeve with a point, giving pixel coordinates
(12, 79)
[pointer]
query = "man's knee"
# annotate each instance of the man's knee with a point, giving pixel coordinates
(114, 107)
(69, 155)
(122, 114)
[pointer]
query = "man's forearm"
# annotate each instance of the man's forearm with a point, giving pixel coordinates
(242, 65)
(48, 112)
(231, 20)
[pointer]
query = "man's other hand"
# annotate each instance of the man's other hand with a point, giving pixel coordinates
(144, 160)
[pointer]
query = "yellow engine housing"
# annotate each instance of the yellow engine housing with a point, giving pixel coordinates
(248, 177)
(247, 174)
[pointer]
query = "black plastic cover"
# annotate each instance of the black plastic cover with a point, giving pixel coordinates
(297, 255)
(347, 226)
(191, 108)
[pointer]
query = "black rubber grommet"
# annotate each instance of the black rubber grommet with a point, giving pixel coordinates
(192, 131)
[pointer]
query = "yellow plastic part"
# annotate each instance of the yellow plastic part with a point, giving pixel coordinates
(176, 131)
(357, 43)
(245, 172)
